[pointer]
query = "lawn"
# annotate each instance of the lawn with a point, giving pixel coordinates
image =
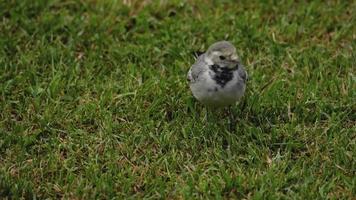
(94, 102)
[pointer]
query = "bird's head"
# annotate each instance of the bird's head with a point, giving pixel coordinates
(222, 53)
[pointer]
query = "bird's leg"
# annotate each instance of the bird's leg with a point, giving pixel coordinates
(232, 120)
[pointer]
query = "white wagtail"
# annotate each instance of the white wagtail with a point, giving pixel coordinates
(218, 78)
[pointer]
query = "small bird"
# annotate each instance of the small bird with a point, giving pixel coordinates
(218, 78)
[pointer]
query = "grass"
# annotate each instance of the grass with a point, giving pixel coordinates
(95, 104)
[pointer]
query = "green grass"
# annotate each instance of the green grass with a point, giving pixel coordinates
(94, 100)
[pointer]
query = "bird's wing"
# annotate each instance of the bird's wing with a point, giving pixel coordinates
(196, 69)
(242, 73)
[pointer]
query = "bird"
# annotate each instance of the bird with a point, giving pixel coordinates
(218, 78)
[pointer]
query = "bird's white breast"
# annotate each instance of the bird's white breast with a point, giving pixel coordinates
(209, 92)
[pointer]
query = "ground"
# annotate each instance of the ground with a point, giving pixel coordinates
(95, 103)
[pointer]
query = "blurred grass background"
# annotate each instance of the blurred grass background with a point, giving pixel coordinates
(94, 100)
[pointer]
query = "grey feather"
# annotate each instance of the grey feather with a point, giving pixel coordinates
(242, 73)
(197, 68)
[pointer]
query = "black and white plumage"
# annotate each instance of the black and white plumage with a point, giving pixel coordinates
(218, 78)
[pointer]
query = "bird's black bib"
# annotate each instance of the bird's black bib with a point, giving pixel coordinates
(222, 75)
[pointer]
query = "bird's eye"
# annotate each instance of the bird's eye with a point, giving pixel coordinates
(222, 57)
